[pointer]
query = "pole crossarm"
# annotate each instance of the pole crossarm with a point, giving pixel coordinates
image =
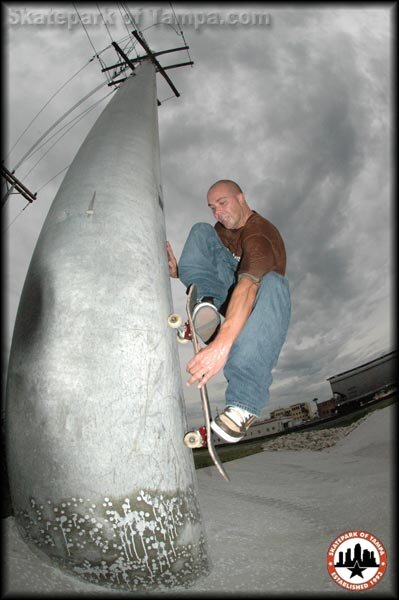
(123, 55)
(152, 56)
(139, 58)
(15, 185)
(184, 64)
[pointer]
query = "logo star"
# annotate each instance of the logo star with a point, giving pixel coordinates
(357, 570)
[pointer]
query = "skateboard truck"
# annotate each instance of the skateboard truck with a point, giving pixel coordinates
(194, 439)
(197, 438)
(183, 331)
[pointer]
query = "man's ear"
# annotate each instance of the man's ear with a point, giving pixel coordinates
(241, 199)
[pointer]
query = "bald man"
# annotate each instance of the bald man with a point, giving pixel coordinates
(239, 268)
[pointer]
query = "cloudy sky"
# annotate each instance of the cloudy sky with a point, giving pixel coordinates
(296, 109)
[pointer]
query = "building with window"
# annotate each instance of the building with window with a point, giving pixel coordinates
(302, 411)
(328, 408)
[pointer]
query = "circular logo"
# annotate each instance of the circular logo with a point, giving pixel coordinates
(356, 560)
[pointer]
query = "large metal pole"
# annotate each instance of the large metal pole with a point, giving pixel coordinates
(100, 479)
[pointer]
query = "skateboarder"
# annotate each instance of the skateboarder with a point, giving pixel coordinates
(239, 269)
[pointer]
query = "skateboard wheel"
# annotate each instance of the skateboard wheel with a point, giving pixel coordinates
(174, 320)
(182, 340)
(193, 439)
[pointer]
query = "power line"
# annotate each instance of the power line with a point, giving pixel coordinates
(83, 25)
(132, 20)
(47, 103)
(82, 114)
(91, 43)
(181, 31)
(47, 182)
(13, 221)
(106, 26)
(166, 99)
(57, 122)
(77, 119)
(110, 46)
(128, 32)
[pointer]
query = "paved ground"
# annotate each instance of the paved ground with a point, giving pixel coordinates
(269, 529)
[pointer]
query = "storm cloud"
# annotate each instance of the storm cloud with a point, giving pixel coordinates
(298, 112)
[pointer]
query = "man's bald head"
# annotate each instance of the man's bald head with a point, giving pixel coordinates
(228, 204)
(231, 186)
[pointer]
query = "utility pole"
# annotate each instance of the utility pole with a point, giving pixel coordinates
(100, 479)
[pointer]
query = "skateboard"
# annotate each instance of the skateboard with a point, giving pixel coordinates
(201, 437)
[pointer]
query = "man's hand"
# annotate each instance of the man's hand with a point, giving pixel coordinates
(172, 262)
(208, 362)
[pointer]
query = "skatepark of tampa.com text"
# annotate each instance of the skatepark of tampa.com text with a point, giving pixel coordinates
(141, 17)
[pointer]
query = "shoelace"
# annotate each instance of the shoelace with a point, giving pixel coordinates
(235, 415)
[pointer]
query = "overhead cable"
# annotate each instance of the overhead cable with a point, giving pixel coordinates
(48, 102)
(25, 156)
(77, 119)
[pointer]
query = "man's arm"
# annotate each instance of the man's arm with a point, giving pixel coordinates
(211, 359)
(239, 308)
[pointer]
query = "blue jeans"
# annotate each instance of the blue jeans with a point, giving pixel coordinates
(206, 262)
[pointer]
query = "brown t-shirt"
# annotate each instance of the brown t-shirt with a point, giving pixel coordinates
(258, 246)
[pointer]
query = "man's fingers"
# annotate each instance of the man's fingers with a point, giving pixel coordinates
(195, 376)
(191, 365)
(172, 261)
(203, 366)
(195, 363)
(204, 380)
(170, 251)
(199, 374)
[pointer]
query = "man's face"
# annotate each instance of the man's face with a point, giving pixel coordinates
(226, 207)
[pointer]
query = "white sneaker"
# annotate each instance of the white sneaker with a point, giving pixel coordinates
(206, 320)
(233, 423)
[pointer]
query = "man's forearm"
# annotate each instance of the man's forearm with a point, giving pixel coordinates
(210, 360)
(240, 307)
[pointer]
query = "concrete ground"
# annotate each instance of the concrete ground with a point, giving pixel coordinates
(270, 528)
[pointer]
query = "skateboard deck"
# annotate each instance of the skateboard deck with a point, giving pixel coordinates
(191, 301)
